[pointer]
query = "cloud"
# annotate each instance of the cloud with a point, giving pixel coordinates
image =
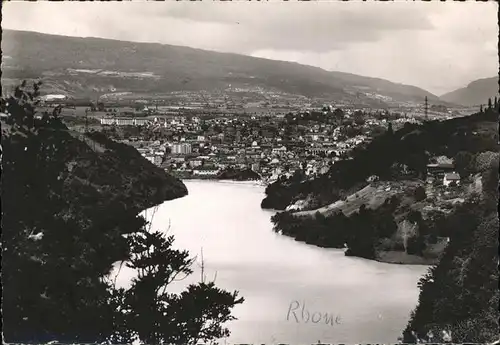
(316, 27)
(435, 45)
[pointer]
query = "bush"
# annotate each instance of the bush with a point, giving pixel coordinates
(386, 244)
(416, 245)
(432, 238)
(420, 194)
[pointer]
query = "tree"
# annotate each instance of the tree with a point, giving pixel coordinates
(160, 317)
(407, 230)
(420, 194)
(57, 258)
(338, 112)
(464, 163)
(390, 131)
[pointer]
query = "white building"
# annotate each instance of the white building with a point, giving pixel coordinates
(124, 121)
(107, 121)
(450, 178)
(140, 122)
(206, 172)
(181, 148)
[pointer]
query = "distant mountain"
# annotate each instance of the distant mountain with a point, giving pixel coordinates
(95, 66)
(475, 93)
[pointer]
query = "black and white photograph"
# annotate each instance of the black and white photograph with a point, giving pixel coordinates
(250, 172)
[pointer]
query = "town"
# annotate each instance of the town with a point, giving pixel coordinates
(202, 145)
(269, 146)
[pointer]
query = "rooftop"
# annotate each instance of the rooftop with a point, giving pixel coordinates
(452, 176)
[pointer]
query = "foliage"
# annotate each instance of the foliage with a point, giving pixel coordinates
(360, 231)
(64, 227)
(420, 193)
(238, 174)
(460, 295)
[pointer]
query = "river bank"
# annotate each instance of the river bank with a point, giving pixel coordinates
(390, 256)
(401, 258)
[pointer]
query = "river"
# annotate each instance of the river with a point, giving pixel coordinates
(370, 301)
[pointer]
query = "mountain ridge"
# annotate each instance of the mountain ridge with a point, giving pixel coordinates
(475, 93)
(61, 59)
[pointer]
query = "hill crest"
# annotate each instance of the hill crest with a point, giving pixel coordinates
(64, 63)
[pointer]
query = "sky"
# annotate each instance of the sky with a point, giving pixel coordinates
(439, 46)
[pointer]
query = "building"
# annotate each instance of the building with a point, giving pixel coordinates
(450, 178)
(181, 148)
(195, 163)
(140, 122)
(157, 160)
(124, 122)
(107, 121)
(440, 169)
(206, 171)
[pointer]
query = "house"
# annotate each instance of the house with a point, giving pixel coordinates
(205, 171)
(196, 163)
(157, 160)
(450, 178)
(440, 169)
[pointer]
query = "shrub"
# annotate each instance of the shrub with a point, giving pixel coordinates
(415, 245)
(420, 194)
(386, 244)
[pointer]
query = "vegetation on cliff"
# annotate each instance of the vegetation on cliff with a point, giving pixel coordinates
(70, 211)
(459, 297)
(365, 232)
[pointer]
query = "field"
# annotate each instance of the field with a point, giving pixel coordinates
(372, 195)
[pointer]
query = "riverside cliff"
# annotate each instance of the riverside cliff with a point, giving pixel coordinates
(68, 200)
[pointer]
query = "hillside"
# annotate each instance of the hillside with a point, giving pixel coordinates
(477, 92)
(71, 198)
(409, 147)
(459, 297)
(72, 213)
(93, 66)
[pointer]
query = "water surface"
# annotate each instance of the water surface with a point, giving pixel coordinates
(372, 300)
